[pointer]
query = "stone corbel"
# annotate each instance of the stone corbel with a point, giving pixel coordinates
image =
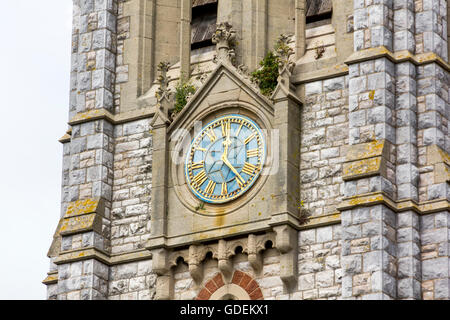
(164, 281)
(287, 245)
(225, 265)
(254, 257)
(195, 263)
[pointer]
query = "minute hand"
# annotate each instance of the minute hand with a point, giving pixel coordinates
(225, 160)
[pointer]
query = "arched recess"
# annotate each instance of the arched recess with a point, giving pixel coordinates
(242, 287)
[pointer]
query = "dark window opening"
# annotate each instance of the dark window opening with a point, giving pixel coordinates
(318, 13)
(203, 24)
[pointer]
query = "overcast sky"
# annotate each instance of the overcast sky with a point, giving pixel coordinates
(34, 95)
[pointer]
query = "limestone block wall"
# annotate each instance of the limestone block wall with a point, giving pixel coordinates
(132, 281)
(131, 194)
(83, 280)
(435, 237)
(324, 122)
(320, 272)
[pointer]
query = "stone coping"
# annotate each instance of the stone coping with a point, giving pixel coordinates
(375, 198)
(322, 74)
(128, 116)
(396, 57)
(102, 256)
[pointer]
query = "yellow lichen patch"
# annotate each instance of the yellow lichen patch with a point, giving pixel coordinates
(371, 94)
(365, 200)
(361, 167)
(78, 223)
(365, 150)
(81, 207)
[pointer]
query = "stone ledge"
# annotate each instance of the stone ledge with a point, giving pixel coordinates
(112, 118)
(102, 256)
(372, 199)
(396, 57)
(52, 278)
(322, 220)
(322, 74)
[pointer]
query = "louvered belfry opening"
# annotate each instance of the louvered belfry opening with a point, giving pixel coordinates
(318, 12)
(203, 25)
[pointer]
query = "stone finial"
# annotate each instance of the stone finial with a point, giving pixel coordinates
(163, 94)
(163, 79)
(283, 52)
(224, 39)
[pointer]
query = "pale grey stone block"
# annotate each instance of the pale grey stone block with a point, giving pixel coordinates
(107, 20)
(435, 268)
(371, 229)
(442, 289)
(324, 234)
(372, 261)
(307, 237)
(357, 119)
(313, 88)
(358, 85)
(101, 5)
(333, 84)
(308, 266)
(85, 43)
(437, 191)
(77, 177)
(351, 264)
(84, 81)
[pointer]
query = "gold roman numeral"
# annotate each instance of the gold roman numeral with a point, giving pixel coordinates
(226, 127)
(198, 165)
(224, 188)
(210, 187)
(240, 127)
(252, 153)
(239, 182)
(249, 138)
(249, 168)
(201, 149)
(211, 135)
(200, 178)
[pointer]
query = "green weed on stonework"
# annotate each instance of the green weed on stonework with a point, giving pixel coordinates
(182, 91)
(266, 77)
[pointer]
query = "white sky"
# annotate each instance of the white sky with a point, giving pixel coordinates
(34, 98)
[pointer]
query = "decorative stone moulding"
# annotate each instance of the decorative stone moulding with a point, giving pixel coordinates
(222, 251)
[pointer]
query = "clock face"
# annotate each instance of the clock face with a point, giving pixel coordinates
(225, 159)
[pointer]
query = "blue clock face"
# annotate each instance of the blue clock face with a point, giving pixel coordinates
(225, 159)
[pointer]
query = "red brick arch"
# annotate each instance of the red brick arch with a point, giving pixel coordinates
(240, 278)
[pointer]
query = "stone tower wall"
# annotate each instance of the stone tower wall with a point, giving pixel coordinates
(373, 148)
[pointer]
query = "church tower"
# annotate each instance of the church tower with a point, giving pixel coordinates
(256, 149)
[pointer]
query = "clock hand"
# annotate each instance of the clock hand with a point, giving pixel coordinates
(225, 160)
